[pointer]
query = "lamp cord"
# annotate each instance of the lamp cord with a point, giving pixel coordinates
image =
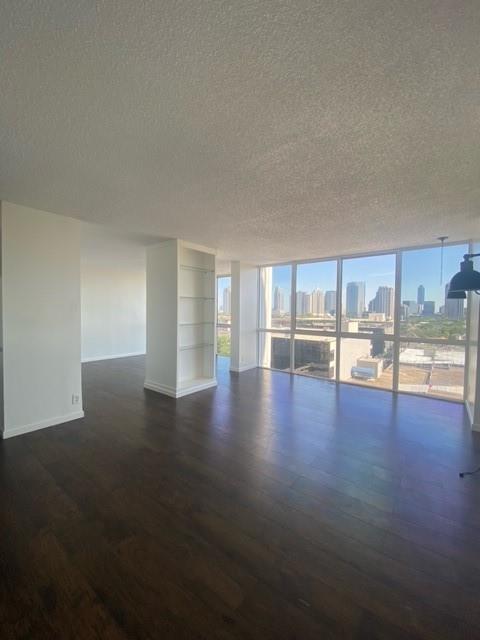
(442, 240)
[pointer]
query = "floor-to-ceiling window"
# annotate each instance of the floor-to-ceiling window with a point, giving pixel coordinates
(368, 320)
(224, 315)
(381, 320)
(314, 342)
(432, 327)
(275, 317)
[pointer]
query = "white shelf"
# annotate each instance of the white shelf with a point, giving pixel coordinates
(196, 346)
(194, 324)
(189, 267)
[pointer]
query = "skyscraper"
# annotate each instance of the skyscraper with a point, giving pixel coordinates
(454, 308)
(227, 300)
(355, 299)
(318, 302)
(303, 303)
(413, 307)
(429, 308)
(308, 303)
(421, 294)
(383, 302)
(330, 302)
(278, 300)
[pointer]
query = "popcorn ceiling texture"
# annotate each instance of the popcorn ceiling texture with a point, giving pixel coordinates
(269, 130)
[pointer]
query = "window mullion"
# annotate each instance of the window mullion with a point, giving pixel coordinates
(396, 320)
(338, 318)
(293, 316)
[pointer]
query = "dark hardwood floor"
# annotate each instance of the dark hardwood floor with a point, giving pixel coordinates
(270, 507)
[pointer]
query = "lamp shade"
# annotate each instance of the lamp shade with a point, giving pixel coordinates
(467, 279)
(456, 295)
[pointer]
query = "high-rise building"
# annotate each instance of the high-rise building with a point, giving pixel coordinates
(454, 309)
(383, 302)
(429, 308)
(330, 302)
(318, 302)
(314, 356)
(303, 303)
(227, 300)
(308, 303)
(421, 294)
(355, 299)
(413, 307)
(278, 300)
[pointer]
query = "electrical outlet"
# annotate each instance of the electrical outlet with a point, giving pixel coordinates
(75, 398)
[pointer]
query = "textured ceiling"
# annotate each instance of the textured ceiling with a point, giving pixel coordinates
(268, 130)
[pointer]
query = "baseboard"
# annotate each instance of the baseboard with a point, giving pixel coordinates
(43, 424)
(474, 425)
(469, 413)
(160, 388)
(195, 388)
(245, 367)
(118, 355)
(114, 357)
(179, 392)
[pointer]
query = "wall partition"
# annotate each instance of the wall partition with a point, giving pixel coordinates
(381, 320)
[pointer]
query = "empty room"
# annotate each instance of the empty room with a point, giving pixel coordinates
(239, 320)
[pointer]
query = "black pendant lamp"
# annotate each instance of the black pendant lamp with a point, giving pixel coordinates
(467, 279)
(456, 295)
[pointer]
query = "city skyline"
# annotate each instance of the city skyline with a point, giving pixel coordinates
(317, 302)
(419, 267)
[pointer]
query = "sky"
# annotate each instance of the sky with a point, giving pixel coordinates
(418, 267)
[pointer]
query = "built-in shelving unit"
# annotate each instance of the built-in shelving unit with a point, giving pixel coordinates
(196, 318)
(194, 333)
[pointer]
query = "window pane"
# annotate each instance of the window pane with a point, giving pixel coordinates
(315, 356)
(426, 312)
(275, 297)
(224, 300)
(368, 294)
(223, 341)
(316, 298)
(274, 351)
(367, 362)
(431, 369)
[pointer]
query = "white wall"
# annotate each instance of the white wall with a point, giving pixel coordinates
(41, 319)
(472, 380)
(162, 316)
(1, 329)
(113, 281)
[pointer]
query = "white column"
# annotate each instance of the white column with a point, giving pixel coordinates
(41, 319)
(476, 383)
(472, 378)
(162, 306)
(244, 317)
